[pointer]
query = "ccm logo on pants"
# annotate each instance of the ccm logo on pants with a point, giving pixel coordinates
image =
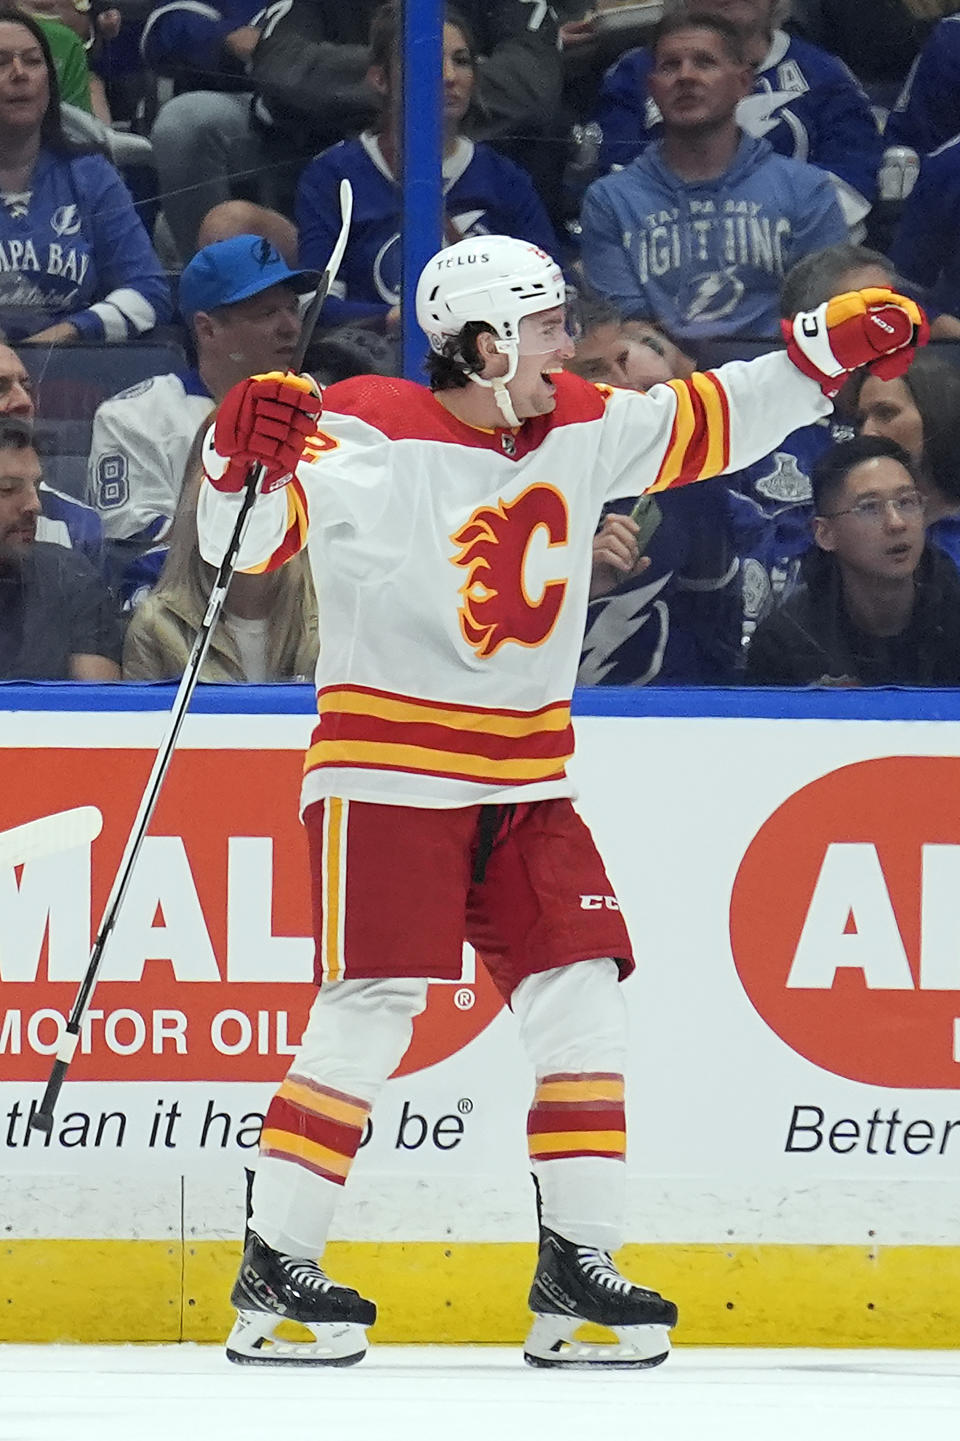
(599, 903)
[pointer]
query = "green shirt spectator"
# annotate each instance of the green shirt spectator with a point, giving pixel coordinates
(70, 60)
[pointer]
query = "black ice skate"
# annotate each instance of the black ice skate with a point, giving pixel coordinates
(575, 1284)
(271, 1288)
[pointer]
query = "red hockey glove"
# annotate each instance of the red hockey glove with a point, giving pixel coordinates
(266, 419)
(876, 328)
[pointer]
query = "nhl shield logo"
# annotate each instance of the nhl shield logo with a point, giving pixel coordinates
(508, 443)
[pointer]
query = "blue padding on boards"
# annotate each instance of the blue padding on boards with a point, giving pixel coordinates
(667, 701)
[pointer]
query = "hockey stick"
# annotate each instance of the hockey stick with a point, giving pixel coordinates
(48, 835)
(42, 1119)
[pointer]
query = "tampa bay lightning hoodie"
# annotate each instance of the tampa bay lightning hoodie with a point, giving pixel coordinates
(706, 258)
(72, 248)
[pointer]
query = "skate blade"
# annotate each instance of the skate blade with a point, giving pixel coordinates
(253, 1342)
(552, 1343)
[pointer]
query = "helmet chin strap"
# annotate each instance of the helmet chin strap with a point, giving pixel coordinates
(499, 384)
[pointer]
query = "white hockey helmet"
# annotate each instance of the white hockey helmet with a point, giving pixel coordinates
(493, 278)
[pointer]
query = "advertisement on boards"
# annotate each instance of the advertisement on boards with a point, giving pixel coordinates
(792, 888)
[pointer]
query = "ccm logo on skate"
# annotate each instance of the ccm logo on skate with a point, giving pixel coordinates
(208, 973)
(845, 921)
(599, 903)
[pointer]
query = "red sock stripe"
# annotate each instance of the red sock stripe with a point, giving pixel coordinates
(545, 1120)
(584, 1076)
(577, 1115)
(284, 1116)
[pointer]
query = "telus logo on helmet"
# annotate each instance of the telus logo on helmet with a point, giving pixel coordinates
(845, 921)
(444, 262)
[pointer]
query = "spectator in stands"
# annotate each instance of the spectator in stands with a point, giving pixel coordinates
(241, 301)
(836, 269)
(927, 113)
(771, 502)
(268, 626)
(921, 412)
(880, 52)
(202, 47)
(877, 606)
(804, 102)
(633, 354)
(77, 263)
(57, 619)
(89, 30)
(241, 217)
(69, 57)
(483, 192)
(700, 229)
(63, 519)
(671, 615)
(927, 246)
(308, 66)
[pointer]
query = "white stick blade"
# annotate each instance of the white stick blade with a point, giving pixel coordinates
(47, 835)
(346, 215)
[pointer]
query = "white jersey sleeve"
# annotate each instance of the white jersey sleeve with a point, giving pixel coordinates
(689, 430)
(353, 458)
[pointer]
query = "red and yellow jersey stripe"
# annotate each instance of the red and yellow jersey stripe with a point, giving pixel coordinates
(295, 532)
(373, 729)
(699, 444)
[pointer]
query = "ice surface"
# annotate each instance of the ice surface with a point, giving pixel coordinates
(191, 1393)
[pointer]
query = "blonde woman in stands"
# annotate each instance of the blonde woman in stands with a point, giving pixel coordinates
(268, 626)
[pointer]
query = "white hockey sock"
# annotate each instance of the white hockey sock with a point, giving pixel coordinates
(574, 1029)
(355, 1038)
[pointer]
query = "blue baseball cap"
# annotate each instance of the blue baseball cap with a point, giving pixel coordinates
(234, 269)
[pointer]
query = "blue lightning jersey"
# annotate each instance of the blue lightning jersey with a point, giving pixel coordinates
(484, 194)
(72, 248)
(65, 520)
(770, 509)
(679, 622)
(927, 247)
(945, 535)
(805, 102)
(927, 112)
(186, 38)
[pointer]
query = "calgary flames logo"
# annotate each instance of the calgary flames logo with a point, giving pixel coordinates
(494, 549)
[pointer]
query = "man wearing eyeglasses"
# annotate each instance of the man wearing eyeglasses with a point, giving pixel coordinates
(878, 606)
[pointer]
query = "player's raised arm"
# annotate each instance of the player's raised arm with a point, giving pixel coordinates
(268, 419)
(728, 418)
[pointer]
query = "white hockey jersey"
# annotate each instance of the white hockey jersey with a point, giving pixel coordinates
(452, 565)
(139, 447)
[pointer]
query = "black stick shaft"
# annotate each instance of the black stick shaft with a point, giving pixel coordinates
(42, 1118)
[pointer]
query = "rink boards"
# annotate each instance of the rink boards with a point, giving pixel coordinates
(789, 866)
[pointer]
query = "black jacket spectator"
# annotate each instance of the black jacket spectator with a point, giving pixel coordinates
(811, 639)
(310, 66)
(879, 48)
(52, 607)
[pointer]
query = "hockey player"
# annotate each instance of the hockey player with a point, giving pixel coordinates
(450, 533)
